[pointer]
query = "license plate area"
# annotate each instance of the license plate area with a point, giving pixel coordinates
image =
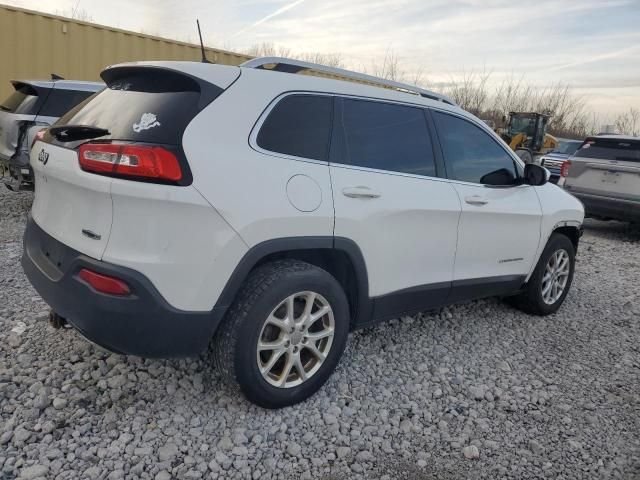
(610, 177)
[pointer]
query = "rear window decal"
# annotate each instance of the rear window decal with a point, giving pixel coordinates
(147, 121)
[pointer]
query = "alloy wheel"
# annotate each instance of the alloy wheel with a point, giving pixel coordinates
(555, 277)
(295, 339)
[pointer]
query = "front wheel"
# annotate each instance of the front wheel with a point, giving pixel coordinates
(551, 280)
(285, 333)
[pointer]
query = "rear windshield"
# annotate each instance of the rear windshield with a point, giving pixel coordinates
(23, 101)
(568, 148)
(60, 101)
(611, 149)
(149, 105)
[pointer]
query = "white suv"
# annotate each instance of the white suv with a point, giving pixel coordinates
(274, 212)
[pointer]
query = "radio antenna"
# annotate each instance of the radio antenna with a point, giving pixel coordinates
(204, 55)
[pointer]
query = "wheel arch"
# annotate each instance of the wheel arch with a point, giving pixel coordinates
(573, 232)
(341, 257)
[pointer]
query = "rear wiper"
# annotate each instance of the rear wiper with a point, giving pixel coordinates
(70, 133)
(6, 109)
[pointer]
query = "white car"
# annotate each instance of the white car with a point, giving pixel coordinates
(273, 213)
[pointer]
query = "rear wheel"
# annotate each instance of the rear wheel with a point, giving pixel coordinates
(551, 280)
(285, 333)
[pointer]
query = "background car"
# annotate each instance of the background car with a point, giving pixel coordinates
(33, 105)
(552, 161)
(605, 175)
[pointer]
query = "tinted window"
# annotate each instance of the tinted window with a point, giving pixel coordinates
(299, 125)
(567, 147)
(60, 101)
(610, 149)
(24, 101)
(141, 111)
(471, 154)
(387, 137)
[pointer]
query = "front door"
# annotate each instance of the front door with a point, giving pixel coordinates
(500, 224)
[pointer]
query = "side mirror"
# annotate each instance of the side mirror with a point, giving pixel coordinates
(535, 175)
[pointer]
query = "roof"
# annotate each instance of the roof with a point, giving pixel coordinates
(615, 137)
(63, 84)
(288, 65)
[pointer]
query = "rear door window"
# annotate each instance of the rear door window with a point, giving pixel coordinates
(24, 100)
(60, 101)
(471, 154)
(143, 105)
(387, 136)
(299, 125)
(610, 149)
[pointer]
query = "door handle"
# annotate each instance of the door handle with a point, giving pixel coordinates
(476, 200)
(360, 192)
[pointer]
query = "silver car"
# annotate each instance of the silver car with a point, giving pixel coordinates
(604, 174)
(33, 105)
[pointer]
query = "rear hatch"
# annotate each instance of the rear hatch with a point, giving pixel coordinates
(21, 106)
(606, 166)
(118, 133)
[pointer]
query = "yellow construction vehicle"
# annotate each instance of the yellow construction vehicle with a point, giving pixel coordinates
(526, 134)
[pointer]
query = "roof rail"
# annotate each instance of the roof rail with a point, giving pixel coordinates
(289, 65)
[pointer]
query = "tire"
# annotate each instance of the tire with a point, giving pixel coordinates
(265, 296)
(532, 298)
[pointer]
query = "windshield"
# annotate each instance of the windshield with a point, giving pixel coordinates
(567, 147)
(22, 101)
(522, 124)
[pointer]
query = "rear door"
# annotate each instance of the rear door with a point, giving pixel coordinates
(71, 205)
(389, 200)
(606, 166)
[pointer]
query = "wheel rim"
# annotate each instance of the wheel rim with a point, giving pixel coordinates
(295, 339)
(556, 275)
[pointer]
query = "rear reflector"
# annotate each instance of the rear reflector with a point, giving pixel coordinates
(564, 168)
(130, 161)
(104, 283)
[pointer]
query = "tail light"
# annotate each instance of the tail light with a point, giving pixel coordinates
(142, 161)
(104, 283)
(564, 168)
(38, 136)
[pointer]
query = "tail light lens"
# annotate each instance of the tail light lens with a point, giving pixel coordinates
(105, 283)
(38, 136)
(143, 161)
(564, 168)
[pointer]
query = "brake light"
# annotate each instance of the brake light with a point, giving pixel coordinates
(143, 161)
(38, 136)
(564, 168)
(104, 283)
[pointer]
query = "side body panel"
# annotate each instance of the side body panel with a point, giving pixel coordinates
(500, 237)
(251, 188)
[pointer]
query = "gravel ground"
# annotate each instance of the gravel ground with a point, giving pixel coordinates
(475, 391)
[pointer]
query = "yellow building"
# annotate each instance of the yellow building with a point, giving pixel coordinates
(34, 45)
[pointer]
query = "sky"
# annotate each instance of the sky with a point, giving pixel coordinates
(592, 45)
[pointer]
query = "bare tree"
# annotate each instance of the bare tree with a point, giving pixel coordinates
(271, 50)
(470, 91)
(75, 13)
(628, 123)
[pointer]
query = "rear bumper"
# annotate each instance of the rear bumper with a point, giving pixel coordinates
(141, 324)
(608, 207)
